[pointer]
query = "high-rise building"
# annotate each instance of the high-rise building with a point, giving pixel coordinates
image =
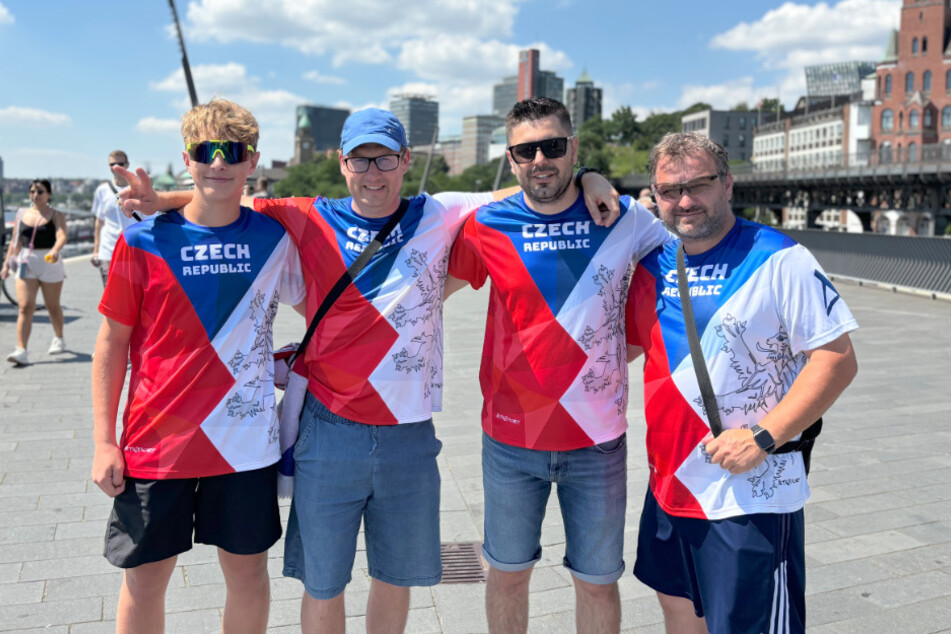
(504, 96)
(527, 73)
(1, 168)
(584, 101)
(530, 82)
(419, 115)
(476, 137)
(911, 118)
(450, 148)
(318, 130)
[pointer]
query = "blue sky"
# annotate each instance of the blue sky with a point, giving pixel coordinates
(79, 79)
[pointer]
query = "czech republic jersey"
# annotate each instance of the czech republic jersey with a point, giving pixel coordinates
(554, 361)
(759, 300)
(376, 356)
(201, 302)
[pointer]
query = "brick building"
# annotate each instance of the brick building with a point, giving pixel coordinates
(911, 119)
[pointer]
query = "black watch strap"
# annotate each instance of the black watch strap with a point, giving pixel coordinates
(763, 439)
(581, 173)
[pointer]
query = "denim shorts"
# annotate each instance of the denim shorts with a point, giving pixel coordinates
(592, 494)
(384, 475)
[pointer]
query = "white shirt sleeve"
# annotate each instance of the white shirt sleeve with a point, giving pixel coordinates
(649, 231)
(457, 206)
(293, 290)
(809, 306)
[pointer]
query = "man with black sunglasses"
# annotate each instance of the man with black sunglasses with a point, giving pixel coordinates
(367, 449)
(110, 221)
(554, 369)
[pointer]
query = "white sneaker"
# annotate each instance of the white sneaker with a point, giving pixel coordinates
(18, 357)
(57, 346)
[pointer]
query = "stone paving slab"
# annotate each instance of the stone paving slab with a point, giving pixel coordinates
(878, 527)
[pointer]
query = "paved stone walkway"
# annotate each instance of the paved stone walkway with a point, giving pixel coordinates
(878, 524)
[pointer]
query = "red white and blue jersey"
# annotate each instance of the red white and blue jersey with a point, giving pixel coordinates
(760, 300)
(376, 357)
(201, 302)
(554, 361)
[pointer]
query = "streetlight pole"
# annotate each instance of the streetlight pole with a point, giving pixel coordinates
(185, 66)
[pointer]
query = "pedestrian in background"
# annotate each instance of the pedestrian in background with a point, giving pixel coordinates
(39, 237)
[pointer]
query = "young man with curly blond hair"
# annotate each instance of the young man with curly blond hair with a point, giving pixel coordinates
(191, 298)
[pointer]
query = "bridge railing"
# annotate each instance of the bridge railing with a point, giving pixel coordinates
(923, 154)
(921, 264)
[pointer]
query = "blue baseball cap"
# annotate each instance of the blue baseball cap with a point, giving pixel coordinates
(372, 126)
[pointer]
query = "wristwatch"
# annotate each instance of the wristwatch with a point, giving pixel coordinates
(763, 439)
(581, 173)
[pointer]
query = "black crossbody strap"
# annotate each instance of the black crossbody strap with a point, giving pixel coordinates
(696, 354)
(806, 440)
(349, 276)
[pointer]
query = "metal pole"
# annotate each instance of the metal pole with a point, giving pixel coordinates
(185, 66)
(429, 160)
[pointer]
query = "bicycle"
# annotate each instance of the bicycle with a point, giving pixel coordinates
(3, 250)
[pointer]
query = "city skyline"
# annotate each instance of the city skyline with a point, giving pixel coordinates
(87, 79)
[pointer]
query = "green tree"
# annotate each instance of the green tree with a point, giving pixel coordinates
(320, 177)
(742, 107)
(624, 126)
(770, 104)
(656, 125)
(592, 136)
(697, 107)
(625, 129)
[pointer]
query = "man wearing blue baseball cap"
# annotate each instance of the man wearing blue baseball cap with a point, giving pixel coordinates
(366, 450)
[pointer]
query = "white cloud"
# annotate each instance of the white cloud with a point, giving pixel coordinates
(472, 58)
(5, 16)
(154, 125)
(852, 27)
(14, 115)
(723, 96)
(370, 31)
(794, 36)
(319, 78)
(274, 109)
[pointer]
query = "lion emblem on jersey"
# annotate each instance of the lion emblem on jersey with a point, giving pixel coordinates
(429, 282)
(606, 373)
(763, 372)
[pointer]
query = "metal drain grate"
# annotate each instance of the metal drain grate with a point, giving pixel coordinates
(462, 562)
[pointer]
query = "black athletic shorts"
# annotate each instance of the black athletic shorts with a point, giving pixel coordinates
(153, 520)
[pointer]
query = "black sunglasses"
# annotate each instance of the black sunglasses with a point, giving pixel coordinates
(551, 148)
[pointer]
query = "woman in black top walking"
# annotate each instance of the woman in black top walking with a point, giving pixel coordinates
(39, 236)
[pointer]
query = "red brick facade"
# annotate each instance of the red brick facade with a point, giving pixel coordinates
(913, 92)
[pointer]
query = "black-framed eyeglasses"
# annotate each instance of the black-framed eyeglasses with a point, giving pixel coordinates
(119, 163)
(551, 148)
(675, 191)
(384, 162)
